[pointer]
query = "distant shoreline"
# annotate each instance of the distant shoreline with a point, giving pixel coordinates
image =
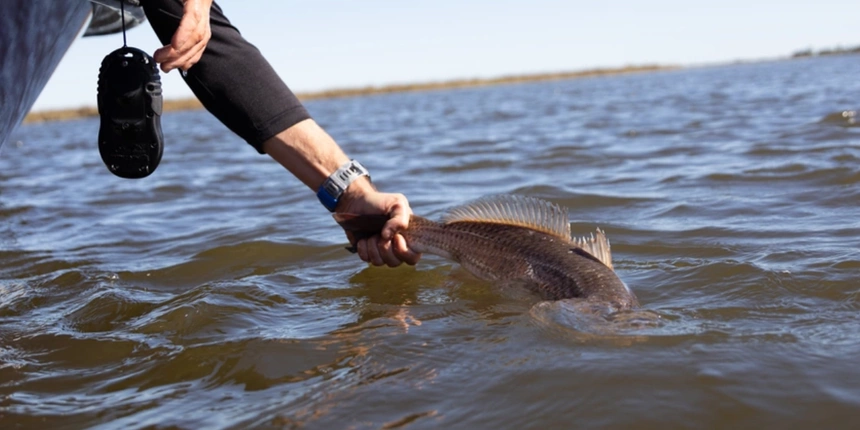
(193, 103)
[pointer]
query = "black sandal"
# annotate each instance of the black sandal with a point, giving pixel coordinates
(130, 103)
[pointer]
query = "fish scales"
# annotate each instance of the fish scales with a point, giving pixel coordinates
(513, 238)
(503, 252)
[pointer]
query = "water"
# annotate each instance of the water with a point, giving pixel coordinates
(216, 293)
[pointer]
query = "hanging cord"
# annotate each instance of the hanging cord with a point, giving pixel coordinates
(122, 18)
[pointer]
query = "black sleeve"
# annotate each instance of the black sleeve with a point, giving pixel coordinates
(232, 79)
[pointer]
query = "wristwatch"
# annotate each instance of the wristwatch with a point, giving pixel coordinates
(335, 185)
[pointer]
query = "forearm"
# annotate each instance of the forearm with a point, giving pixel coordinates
(201, 5)
(310, 154)
(197, 9)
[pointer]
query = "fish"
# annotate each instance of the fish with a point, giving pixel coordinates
(520, 239)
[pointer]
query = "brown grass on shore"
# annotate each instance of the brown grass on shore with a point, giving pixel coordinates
(192, 103)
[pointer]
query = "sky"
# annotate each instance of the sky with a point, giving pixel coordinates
(324, 44)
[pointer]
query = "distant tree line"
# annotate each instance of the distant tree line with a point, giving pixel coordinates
(827, 51)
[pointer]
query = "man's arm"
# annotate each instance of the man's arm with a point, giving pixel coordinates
(307, 151)
(303, 147)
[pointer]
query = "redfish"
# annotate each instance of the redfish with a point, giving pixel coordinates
(516, 238)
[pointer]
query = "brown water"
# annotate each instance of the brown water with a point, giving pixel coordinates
(217, 293)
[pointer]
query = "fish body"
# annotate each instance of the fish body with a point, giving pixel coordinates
(515, 238)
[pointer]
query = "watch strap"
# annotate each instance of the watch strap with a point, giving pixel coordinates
(335, 185)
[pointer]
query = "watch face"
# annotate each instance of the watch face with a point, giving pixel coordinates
(353, 169)
(332, 188)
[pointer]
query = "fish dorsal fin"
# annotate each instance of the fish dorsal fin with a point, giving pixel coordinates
(597, 245)
(521, 211)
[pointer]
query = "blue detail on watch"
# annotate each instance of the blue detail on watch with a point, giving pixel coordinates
(329, 201)
(336, 184)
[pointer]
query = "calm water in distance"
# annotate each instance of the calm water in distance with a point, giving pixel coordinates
(216, 293)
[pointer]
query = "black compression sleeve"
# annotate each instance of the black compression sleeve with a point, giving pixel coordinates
(232, 79)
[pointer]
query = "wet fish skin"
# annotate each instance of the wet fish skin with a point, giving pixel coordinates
(522, 241)
(553, 267)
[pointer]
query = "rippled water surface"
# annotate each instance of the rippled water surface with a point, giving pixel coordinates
(217, 293)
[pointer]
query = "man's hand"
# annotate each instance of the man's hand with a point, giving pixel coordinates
(307, 151)
(389, 248)
(190, 39)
